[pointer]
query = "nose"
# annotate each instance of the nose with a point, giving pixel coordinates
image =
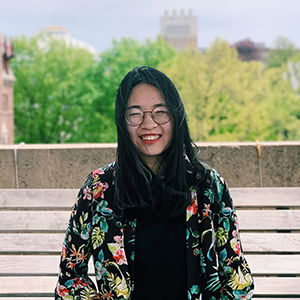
(148, 121)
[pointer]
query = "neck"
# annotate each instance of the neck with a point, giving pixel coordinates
(152, 162)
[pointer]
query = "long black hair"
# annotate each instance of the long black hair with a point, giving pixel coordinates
(137, 187)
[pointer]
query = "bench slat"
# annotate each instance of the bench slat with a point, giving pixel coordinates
(31, 242)
(266, 197)
(57, 220)
(277, 286)
(274, 264)
(48, 264)
(32, 264)
(65, 198)
(29, 284)
(271, 242)
(46, 298)
(269, 219)
(42, 198)
(52, 221)
(45, 284)
(252, 242)
(43, 298)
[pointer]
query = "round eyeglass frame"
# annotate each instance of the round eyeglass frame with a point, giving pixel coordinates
(143, 117)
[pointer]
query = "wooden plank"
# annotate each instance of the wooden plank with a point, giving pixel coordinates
(258, 242)
(274, 264)
(57, 220)
(48, 264)
(29, 285)
(271, 242)
(42, 198)
(277, 286)
(65, 198)
(32, 264)
(35, 298)
(34, 220)
(266, 197)
(268, 286)
(269, 219)
(31, 242)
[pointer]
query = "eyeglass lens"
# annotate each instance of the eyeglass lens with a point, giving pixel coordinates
(135, 116)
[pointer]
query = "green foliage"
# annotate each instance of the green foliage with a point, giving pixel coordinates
(227, 99)
(50, 93)
(62, 94)
(283, 106)
(284, 50)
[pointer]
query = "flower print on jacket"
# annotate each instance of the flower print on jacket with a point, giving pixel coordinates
(119, 256)
(62, 290)
(88, 194)
(99, 190)
(193, 208)
(97, 172)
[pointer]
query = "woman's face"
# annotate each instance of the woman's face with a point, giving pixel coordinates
(150, 138)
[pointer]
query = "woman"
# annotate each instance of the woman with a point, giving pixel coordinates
(158, 223)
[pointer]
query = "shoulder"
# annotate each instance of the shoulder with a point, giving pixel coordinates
(217, 185)
(106, 173)
(215, 177)
(101, 179)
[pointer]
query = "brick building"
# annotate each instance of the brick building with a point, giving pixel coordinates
(179, 30)
(7, 79)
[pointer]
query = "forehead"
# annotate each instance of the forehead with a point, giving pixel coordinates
(145, 95)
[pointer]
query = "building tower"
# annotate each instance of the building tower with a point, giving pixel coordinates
(179, 30)
(7, 79)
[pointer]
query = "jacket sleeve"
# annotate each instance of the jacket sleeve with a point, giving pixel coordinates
(73, 281)
(234, 272)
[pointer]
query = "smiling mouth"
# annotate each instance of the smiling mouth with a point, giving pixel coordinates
(150, 137)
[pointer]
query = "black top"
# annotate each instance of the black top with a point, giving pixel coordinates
(160, 258)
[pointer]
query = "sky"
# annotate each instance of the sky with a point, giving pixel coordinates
(98, 22)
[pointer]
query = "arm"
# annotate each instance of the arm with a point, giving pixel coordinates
(73, 281)
(235, 276)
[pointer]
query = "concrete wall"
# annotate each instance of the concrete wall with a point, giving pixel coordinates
(67, 165)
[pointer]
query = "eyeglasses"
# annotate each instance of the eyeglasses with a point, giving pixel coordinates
(135, 116)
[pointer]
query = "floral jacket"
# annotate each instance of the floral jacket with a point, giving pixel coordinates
(216, 267)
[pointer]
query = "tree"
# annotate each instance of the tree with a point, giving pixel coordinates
(50, 93)
(223, 96)
(248, 51)
(283, 106)
(62, 94)
(280, 55)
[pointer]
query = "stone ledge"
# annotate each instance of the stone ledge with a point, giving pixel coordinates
(65, 166)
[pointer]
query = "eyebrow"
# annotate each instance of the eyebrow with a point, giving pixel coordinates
(154, 106)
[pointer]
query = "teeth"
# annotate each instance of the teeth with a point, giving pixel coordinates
(150, 137)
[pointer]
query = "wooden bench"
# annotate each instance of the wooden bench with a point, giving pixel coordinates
(33, 223)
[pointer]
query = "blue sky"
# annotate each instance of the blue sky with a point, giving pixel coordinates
(97, 22)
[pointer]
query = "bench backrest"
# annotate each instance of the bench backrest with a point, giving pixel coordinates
(33, 224)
